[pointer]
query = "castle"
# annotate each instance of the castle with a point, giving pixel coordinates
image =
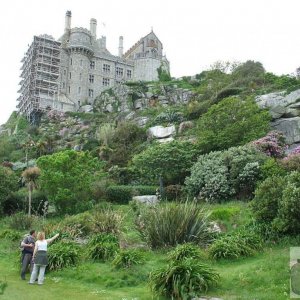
(66, 73)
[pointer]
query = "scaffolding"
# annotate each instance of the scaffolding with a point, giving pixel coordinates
(40, 78)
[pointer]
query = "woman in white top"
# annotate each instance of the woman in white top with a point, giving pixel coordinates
(40, 257)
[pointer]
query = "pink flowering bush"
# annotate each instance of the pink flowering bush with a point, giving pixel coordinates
(55, 115)
(292, 161)
(273, 144)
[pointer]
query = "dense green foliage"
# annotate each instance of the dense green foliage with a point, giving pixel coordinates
(187, 250)
(123, 193)
(62, 255)
(128, 257)
(218, 176)
(232, 122)
(102, 247)
(171, 161)
(66, 178)
(8, 184)
(235, 245)
(183, 279)
(169, 224)
(276, 203)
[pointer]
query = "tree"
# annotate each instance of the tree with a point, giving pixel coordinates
(30, 176)
(8, 185)
(232, 122)
(66, 178)
(172, 161)
(249, 69)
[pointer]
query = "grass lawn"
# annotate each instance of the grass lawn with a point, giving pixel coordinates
(264, 276)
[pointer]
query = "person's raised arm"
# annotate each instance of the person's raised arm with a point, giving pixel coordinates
(53, 238)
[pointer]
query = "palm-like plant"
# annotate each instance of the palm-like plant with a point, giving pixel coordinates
(30, 176)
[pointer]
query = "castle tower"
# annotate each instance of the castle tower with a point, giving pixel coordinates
(68, 21)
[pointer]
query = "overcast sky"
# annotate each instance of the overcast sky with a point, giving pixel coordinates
(194, 33)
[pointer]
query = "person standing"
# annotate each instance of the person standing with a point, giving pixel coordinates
(40, 258)
(27, 244)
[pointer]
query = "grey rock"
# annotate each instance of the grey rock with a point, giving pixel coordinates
(108, 108)
(141, 121)
(159, 132)
(277, 111)
(147, 199)
(291, 112)
(269, 100)
(86, 108)
(290, 127)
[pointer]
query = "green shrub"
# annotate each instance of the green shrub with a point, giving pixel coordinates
(218, 129)
(3, 286)
(218, 176)
(106, 221)
(21, 221)
(171, 161)
(102, 247)
(267, 198)
(183, 279)
(123, 193)
(224, 213)
(185, 251)
(127, 258)
(173, 192)
(235, 245)
(62, 255)
(227, 92)
(169, 116)
(287, 220)
(195, 109)
(82, 222)
(291, 162)
(169, 224)
(10, 235)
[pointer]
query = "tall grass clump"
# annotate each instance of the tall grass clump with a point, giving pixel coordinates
(21, 221)
(183, 279)
(62, 255)
(128, 257)
(170, 224)
(102, 247)
(235, 245)
(185, 251)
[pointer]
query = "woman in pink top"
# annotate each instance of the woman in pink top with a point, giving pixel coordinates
(40, 257)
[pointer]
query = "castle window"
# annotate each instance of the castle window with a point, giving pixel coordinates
(92, 65)
(91, 93)
(71, 62)
(65, 72)
(119, 72)
(70, 75)
(79, 90)
(105, 81)
(91, 78)
(129, 73)
(106, 68)
(69, 89)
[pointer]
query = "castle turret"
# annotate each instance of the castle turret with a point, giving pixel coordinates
(93, 28)
(120, 46)
(68, 21)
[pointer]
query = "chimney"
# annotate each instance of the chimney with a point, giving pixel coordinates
(120, 46)
(68, 21)
(103, 39)
(93, 28)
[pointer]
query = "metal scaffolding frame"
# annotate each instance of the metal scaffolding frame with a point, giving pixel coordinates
(40, 77)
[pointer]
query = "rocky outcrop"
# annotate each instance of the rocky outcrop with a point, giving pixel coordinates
(285, 112)
(133, 97)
